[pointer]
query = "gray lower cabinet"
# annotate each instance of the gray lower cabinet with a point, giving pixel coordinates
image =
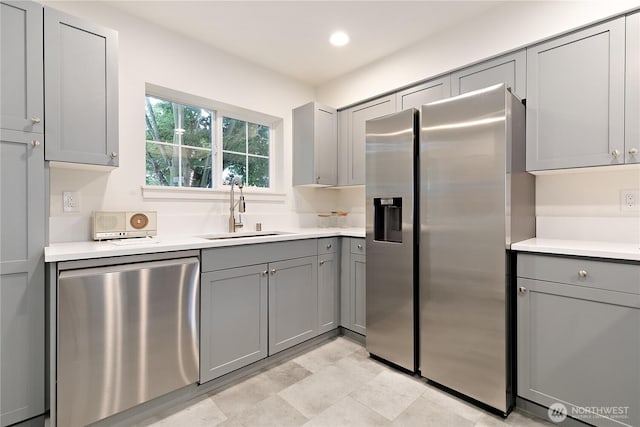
(632, 95)
(293, 302)
(21, 103)
(234, 319)
(22, 291)
(416, 96)
(576, 99)
(579, 337)
(354, 286)
(328, 292)
(81, 90)
(351, 141)
(510, 69)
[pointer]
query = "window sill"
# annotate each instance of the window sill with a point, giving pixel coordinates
(181, 193)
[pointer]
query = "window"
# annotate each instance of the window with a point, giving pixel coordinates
(182, 148)
(179, 144)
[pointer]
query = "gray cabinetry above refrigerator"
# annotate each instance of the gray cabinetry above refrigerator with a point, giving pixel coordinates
(415, 96)
(575, 99)
(315, 145)
(510, 69)
(81, 88)
(579, 336)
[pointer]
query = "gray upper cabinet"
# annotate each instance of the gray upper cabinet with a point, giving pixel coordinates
(22, 220)
(81, 90)
(21, 103)
(575, 99)
(352, 137)
(233, 319)
(510, 69)
(578, 335)
(315, 145)
(632, 107)
(433, 90)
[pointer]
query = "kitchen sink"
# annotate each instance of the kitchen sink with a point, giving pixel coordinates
(225, 236)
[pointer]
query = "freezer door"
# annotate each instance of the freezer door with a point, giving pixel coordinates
(463, 151)
(390, 149)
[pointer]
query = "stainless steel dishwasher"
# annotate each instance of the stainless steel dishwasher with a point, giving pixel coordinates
(125, 334)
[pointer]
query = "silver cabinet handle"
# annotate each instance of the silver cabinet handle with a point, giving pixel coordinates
(359, 246)
(113, 155)
(35, 143)
(321, 262)
(582, 274)
(35, 120)
(264, 273)
(317, 179)
(615, 153)
(522, 290)
(273, 271)
(633, 151)
(329, 246)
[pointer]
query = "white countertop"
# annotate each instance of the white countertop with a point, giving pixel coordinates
(626, 251)
(88, 249)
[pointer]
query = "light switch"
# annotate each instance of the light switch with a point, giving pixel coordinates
(70, 201)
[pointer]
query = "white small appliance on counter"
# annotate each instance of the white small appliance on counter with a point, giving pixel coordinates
(122, 225)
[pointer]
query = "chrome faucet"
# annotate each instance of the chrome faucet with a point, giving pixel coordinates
(233, 225)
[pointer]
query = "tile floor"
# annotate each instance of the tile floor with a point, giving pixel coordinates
(333, 385)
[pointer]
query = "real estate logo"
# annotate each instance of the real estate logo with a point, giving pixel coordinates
(557, 412)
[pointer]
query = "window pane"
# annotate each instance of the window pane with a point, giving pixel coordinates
(162, 165)
(234, 135)
(258, 172)
(258, 139)
(196, 123)
(159, 119)
(232, 165)
(196, 168)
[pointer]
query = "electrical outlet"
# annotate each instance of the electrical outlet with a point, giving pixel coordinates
(629, 200)
(70, 201)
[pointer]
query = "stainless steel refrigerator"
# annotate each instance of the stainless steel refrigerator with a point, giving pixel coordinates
(475, 199)
(390, 154)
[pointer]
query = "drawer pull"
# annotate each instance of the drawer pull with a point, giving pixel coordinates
(329, 246)
(522, 290)
(359, 246)
(321, 262)
(264, 273)
(615, 154)
(582, 274)
(273, 271)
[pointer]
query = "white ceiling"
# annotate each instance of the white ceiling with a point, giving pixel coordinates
(291, 37)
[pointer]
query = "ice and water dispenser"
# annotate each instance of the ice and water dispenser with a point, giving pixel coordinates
(387, 219)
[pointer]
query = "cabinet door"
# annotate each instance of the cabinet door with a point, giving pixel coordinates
(345, 282)
(510, 69)
(81, 90)
(21, 103)
(579, 346)
(575, 99)
(358, 285)
(328, 292)
(293, 302)
(425, 93)
(357, 117)
(22, 306)
(233, 315)
(315, 145)
(632, 96)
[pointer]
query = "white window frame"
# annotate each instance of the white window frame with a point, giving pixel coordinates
(220, 191)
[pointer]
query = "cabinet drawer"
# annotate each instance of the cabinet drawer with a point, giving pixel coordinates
(328, 245)
(358, 246)
(243, 255)
(609, 275)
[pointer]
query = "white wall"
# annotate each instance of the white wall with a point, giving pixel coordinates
(586, 194)
(148, 53)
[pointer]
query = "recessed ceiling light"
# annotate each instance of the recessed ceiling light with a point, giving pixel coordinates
(339, 38)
